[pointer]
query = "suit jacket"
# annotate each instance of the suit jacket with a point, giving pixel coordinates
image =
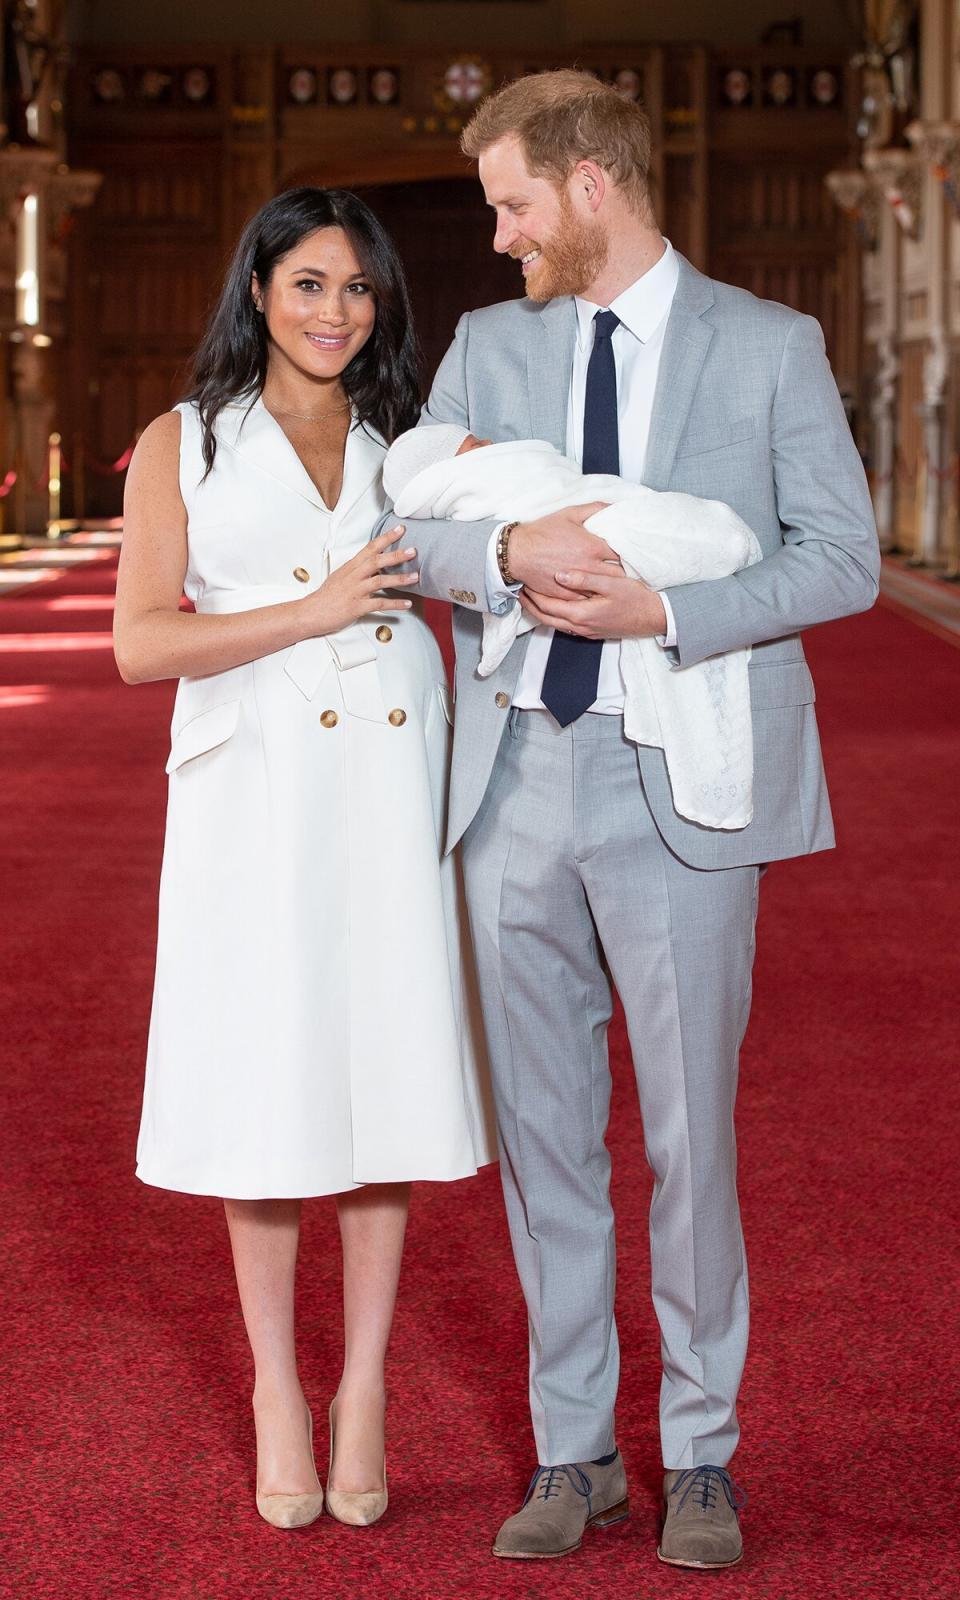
(746, 410)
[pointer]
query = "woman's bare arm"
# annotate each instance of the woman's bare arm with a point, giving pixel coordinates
(154, 639)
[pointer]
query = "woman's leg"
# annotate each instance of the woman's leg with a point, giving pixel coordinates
(264, 1235)
(372, 1224)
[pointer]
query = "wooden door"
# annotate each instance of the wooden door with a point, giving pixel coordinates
(443, 229)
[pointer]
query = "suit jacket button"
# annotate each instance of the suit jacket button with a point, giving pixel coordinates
(384, 634)
(397, 718)
(329, 719)
(503, 700)
(301, 574)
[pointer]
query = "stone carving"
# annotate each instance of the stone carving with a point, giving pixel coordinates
(899, 177)
(857, 197)
(938, 145)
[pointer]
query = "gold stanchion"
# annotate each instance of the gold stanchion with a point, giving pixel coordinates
(20, 494)
(54, 456)
(79, 479)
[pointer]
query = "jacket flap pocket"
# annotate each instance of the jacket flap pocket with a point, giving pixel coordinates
(780, 683)
(700, 443)
(203, 732)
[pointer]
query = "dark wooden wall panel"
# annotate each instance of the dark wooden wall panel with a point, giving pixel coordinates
(739, 189)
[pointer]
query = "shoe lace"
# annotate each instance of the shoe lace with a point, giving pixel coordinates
(547, 1482)
(703, 1485)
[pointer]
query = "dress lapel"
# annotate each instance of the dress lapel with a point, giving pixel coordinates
(685, 344)
(362, 463)
(259, 438)
(550, 343)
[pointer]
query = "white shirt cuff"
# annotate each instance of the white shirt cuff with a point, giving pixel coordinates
(669, 639)
(499, 596)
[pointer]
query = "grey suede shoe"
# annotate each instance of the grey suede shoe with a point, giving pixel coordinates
(701, 1524)
(560, 1503)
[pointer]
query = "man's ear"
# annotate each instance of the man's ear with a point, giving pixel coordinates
(591, 181)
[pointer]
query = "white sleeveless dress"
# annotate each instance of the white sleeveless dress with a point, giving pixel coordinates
(314, 1021)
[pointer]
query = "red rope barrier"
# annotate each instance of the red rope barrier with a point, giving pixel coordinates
(105, 468)
(7, 484)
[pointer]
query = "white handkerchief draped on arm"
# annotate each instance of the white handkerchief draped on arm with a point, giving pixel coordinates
(699, 715)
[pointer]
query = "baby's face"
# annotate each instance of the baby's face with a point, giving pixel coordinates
(470, 443)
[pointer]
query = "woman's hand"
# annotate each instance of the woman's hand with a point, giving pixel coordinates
(353, 591)
(155, 639)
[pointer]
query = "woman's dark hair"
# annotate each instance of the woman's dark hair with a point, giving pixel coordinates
(231, 361)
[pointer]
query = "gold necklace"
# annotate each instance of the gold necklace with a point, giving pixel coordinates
(319, 416)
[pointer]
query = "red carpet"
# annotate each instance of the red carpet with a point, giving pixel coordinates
(127, 1462)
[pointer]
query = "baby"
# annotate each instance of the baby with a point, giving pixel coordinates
(699, 715)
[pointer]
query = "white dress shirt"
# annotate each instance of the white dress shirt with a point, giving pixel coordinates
(643, 310)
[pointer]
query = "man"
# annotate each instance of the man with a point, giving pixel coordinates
(575, 859)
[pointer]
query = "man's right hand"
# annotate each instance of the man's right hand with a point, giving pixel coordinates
(557, 543)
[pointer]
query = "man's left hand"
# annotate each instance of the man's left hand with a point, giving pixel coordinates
(600, 606)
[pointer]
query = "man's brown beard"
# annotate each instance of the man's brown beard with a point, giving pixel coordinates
(572, 259)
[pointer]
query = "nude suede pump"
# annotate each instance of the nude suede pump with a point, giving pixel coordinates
(291, 1510)
(358, 1508)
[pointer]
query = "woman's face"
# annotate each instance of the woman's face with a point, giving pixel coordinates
(319, 306)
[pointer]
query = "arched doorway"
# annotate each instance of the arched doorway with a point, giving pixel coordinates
(444, 232)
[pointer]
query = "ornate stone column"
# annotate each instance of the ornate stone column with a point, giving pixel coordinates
(935, 144)
(859, 198)
(883, 416)
(38, 190)
(33, 345)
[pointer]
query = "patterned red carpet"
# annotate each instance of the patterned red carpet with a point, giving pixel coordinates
(127, 1461)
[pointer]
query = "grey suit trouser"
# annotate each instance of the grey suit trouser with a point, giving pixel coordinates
(564, 861)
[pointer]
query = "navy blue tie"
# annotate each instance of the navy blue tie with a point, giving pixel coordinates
(573, 665)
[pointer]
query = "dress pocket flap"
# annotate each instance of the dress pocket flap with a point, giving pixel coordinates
(203, 732)
(780, 683)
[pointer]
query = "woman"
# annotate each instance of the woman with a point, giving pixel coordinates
(313, 1030)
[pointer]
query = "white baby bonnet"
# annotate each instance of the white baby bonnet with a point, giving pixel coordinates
(418, 449)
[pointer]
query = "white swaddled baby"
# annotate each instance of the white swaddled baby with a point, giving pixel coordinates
(698, 715)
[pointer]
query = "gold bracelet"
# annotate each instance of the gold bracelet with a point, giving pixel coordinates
(503, 553)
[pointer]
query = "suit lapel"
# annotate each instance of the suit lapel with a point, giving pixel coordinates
(550, 343)
(685, 345)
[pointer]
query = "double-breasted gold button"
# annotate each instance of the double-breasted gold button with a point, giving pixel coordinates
(384, 634)
(301, 574)
(397, 718)
(329, 719)
(503, 700)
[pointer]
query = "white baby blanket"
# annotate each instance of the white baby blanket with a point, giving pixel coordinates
(699, 715)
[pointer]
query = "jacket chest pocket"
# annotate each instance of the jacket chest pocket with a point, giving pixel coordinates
(703, 441)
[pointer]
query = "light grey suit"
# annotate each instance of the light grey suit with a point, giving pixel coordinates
(571, 841)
